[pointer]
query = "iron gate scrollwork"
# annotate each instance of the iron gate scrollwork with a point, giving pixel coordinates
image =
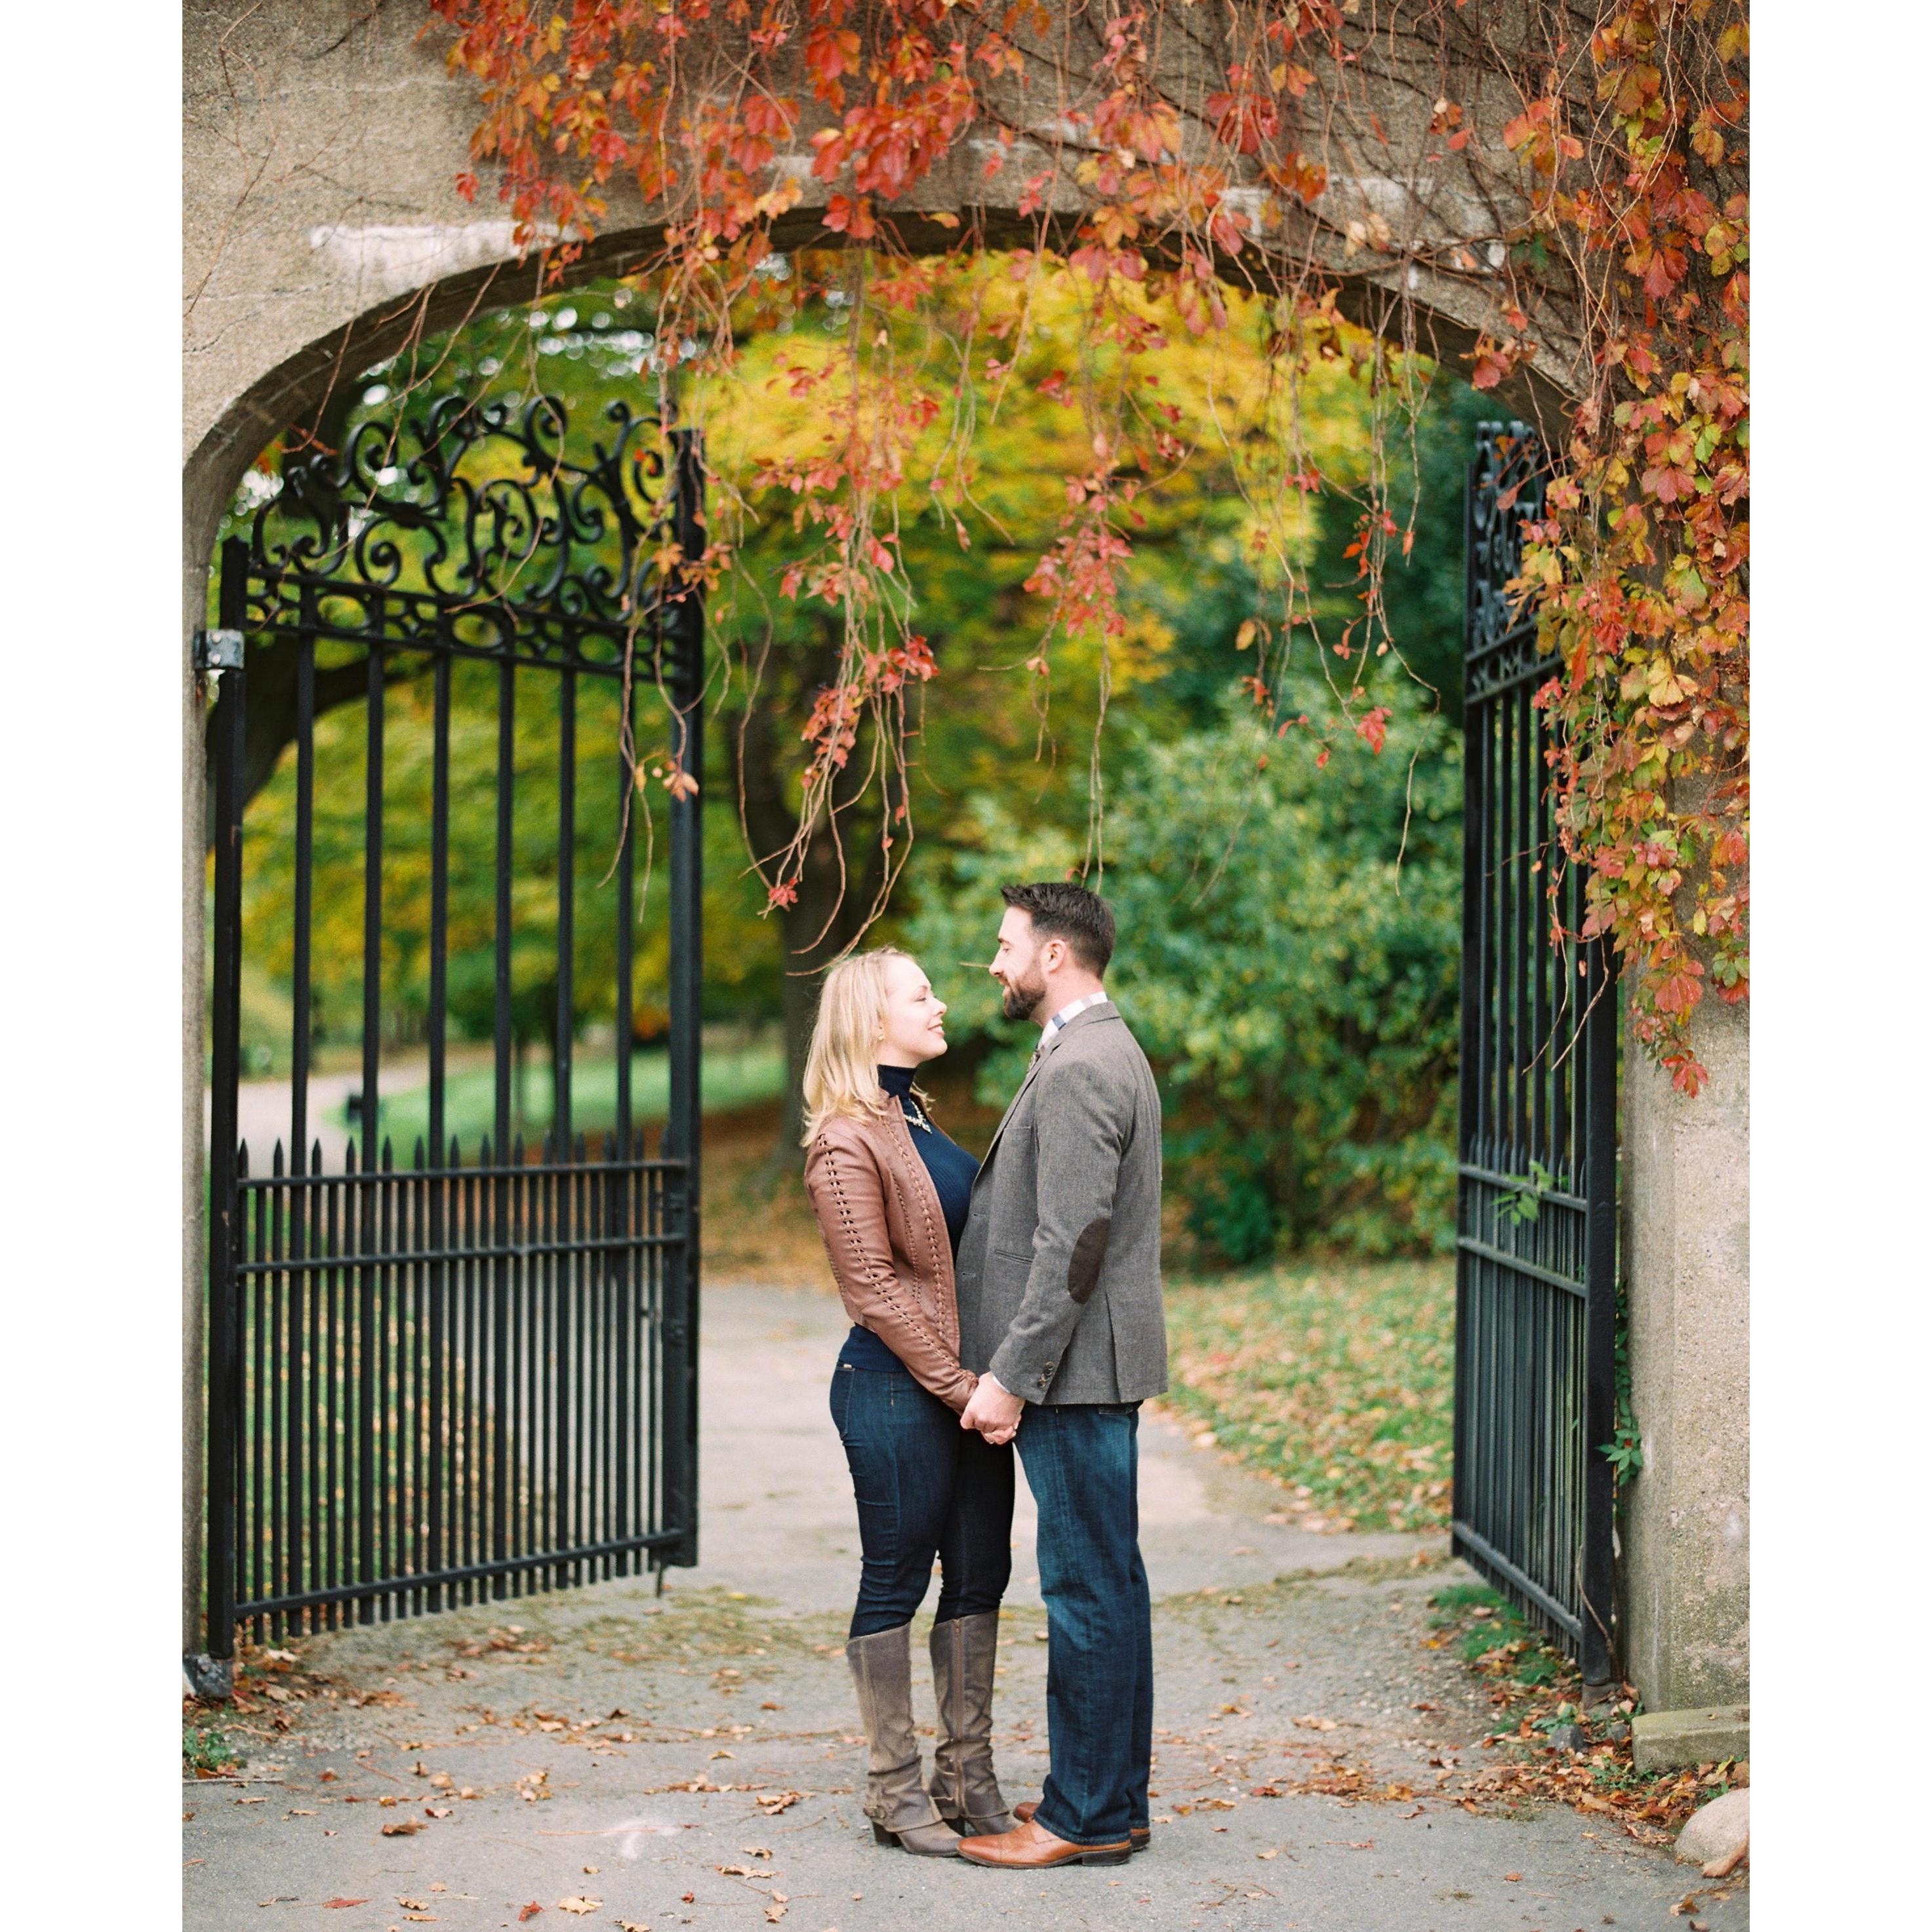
(445, 1374)
(1536, 1223)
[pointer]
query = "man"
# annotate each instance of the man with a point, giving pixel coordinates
(1060, 1317)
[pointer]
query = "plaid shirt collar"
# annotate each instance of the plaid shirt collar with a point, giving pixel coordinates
(1066, 1013)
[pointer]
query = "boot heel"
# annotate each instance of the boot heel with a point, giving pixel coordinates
(1105, 1858)
(881, 1836)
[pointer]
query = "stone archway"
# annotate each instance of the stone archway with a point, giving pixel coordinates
(323, 224)
(322, 228)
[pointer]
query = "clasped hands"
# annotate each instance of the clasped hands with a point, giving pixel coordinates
(993, 1412)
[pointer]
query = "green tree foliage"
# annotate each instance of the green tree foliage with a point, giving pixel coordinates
(1288, 956)
(1288, 901)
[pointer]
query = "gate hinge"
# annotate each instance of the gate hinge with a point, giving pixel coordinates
(217, 651)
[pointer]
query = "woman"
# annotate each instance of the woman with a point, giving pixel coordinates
(891, 1193)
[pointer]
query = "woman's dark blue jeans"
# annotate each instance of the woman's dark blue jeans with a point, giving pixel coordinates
(927, 1490)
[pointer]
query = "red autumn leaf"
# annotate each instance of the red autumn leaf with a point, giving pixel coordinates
(1492, 363)
(530, 1911)
(844, 216)
(1680, 991)
(830, 51)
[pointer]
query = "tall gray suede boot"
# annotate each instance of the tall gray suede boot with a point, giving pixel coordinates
(895, 1800)
(962, 1784)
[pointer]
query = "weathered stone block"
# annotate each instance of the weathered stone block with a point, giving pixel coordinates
(1663, 1740)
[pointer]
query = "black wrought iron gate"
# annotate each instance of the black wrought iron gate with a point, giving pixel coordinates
(442, 1370)
(1536, 1240)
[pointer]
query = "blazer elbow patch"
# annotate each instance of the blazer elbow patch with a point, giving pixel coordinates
(1083, 1265)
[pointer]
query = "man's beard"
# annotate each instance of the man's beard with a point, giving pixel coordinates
(1021, 1001)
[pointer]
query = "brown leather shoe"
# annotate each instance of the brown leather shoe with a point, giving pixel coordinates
(1138, 1836)
(1032, 1847)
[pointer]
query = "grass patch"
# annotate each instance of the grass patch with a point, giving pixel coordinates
(1334, 1377)
(206, 1752)
(1492, 1637)
(732, 1077)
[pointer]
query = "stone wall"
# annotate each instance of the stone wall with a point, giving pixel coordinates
(1685, 1571)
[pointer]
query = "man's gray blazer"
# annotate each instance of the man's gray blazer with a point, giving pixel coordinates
(1059, 1269)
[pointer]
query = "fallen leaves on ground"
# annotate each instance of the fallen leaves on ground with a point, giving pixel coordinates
(771, 1803)
(1334, 1380)
(1334, 1777)
(341, 1904)
(580, 1905)
(403, 1828)
(1536, 1691)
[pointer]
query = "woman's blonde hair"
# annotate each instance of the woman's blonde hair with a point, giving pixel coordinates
(840, 1064)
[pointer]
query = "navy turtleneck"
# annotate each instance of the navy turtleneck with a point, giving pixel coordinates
(952, 1167)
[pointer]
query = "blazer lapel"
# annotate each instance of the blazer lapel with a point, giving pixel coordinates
(1106, 1009)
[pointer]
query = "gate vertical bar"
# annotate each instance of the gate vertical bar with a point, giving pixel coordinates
(1470, 1061)
(684, 640)
(228, 729)
(1600, 1314)
(436, 1197)
(369, 1521)
(562, 1271)
(625, 1261)
(301, 1286)
(497, 1436)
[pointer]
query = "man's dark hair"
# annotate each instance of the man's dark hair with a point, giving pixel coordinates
(1060, 910)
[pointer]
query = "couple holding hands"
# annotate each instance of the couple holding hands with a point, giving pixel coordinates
(1014, 1301)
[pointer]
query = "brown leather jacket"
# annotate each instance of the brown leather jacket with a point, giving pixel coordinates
(879, 1213)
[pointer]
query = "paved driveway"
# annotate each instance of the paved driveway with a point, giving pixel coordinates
(610, 1756)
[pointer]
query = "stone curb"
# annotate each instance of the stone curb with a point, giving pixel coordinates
(1665, 1740)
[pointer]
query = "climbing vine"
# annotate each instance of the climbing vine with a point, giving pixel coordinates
(1558, 213)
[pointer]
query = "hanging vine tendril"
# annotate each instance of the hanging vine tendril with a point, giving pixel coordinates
(1549, 198)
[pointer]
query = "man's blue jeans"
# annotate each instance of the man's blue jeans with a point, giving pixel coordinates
(1081, 1461)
